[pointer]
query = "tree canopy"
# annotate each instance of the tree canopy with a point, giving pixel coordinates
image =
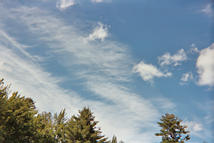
(172, 131)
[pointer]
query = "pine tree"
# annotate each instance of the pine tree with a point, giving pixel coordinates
(21, 123)
(171, 130)
(114, 139)
(3, 108)
(60, 126)
(18, 118)
(45, 128)
(82, 129)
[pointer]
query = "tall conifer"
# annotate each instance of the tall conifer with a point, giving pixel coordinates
(82, 129)
(171, 130)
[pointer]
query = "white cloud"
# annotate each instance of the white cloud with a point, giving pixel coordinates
(29, 78)
(100, 32)
(194, 127)
(207, 9)
(97, 1)
(205, 66)
(63, 4)
(100, 1)
(176, 59)
(149, 71)
(186, 77)
(194, 49)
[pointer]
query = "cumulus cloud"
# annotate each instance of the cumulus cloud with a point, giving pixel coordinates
(205, 66)
(208, 9)
(186, 77)
(149, 71)
(63, 4)
(99, 33)
(176, 59)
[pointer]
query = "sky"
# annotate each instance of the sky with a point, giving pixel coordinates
(130, 61)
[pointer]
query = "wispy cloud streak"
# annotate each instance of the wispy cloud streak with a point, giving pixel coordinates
(102, 68)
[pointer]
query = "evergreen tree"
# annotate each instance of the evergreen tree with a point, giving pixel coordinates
(21, 123)
(3, 109)
(45, 128)
(82, 129)
(60, 126)
(171, 130)
(114, 139)
(17, 120)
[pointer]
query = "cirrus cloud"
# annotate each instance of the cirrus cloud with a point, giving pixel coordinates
(208, 10)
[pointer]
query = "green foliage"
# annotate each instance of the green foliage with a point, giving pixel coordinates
(82, 129)
(171, 130)
(114, 139)
(21, 123)
(3, 109)
(44, 128)
(60, 127)
(17, 116)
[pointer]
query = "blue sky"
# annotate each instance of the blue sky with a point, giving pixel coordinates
(130, 61)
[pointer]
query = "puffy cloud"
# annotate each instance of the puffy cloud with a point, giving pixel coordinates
(149, 71)
(63, 4)
(100, 32)
(205, 66)
(186, 77)
(207, 9)
(176, 59)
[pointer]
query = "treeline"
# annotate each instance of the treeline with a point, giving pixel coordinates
(20, 122)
